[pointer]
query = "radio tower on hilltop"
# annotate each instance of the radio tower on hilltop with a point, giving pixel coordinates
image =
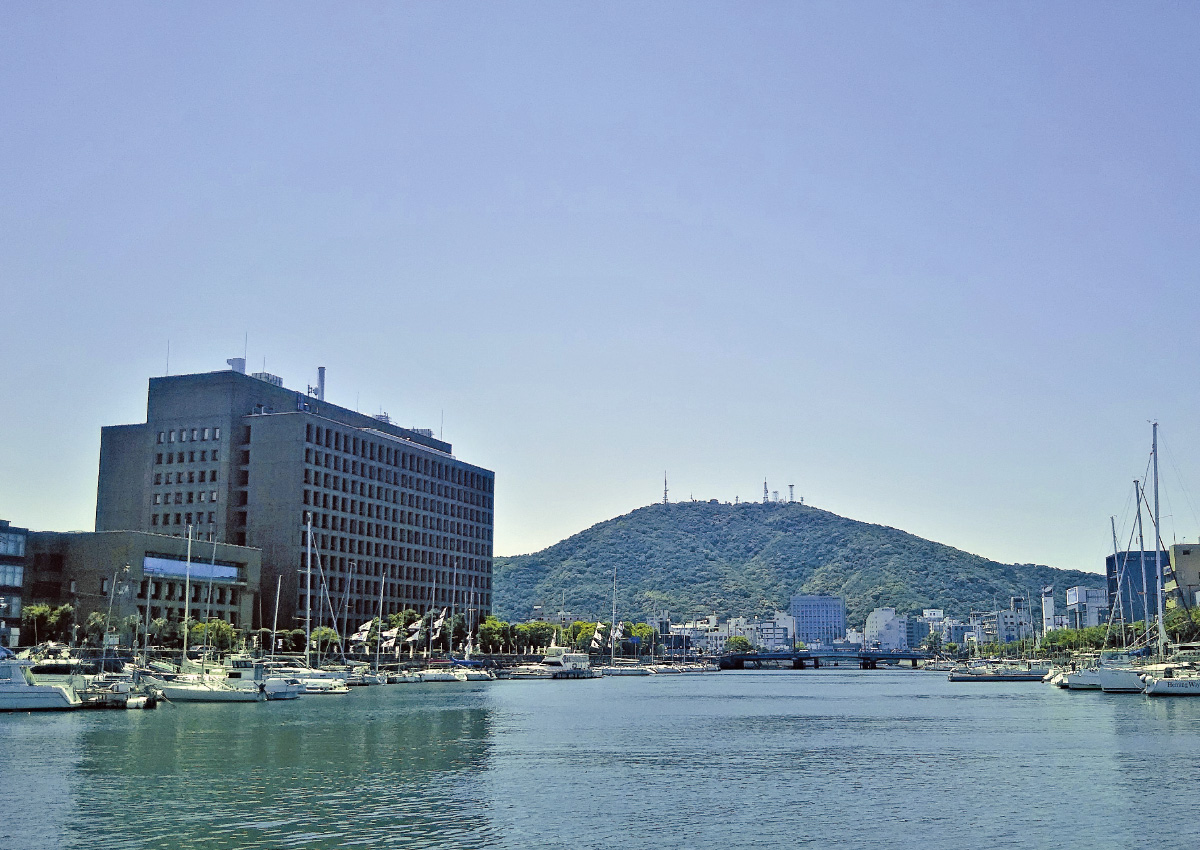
(791, 493)
(766, 495)
(666, 501)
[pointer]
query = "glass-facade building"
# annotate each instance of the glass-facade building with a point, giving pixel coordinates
(819, 619)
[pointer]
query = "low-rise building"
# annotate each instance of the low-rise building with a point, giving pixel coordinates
(134, 570)
(12, 580)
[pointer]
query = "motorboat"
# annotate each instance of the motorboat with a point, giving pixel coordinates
(1173, 682)
(623, 670)
(443, 674)
(209, 690)
(19, 691)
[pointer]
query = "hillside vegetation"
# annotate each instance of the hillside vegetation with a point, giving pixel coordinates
(698, 558)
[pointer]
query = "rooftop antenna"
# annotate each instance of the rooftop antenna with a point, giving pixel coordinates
(666, 501)
(766, 495)
(774, 495)
(168, 370)
(246, 345)
(441, 433)
(791, 493)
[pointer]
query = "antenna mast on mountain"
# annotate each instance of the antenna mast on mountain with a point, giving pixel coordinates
(766, 495)
(791, 493)
(666, 501)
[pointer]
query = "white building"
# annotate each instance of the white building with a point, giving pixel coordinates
(886, 629)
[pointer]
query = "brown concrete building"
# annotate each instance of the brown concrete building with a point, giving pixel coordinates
(134, 569)
(239, 458)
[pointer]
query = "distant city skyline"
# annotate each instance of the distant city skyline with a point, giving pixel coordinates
(934, 266)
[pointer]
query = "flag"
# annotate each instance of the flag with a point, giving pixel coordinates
(437, 624)
(391, 633)
(363, 631)
(416, 627)
(416, 636)
(1047, 590)
(389, 643)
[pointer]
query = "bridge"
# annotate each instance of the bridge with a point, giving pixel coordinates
(865, 659)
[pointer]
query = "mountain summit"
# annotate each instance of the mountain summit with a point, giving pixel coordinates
(699, 558)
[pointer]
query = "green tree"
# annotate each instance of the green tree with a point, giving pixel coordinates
(35, 621)
(494, 634)
(323, 639)
(738, 644)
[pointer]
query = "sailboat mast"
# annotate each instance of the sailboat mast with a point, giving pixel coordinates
(275, 622)
(308, 593)
(1158, 560)
(1137, 496)
(379, 636)
(187, 594)
(1120, 571)
(613, 634)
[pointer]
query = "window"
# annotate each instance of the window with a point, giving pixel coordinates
(191, 457)
(202, 472)
(183, 435)
(179, 457)
(216, 433)
(214, 457)
(193, 435)
(179, 498)
(203, 433)
(104, 585)
(191, 478)
(157, 499)
(158, 478)
(158, 458)
(170, 436)
(154, 519)
(211, 514)
(202, 495)
(212, 497)
(162, 437)
(203, 456)
(191, 497)
(189, 519)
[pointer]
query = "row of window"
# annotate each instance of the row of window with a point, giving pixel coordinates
(190, 477)
(178, 457)
(176, 614)
(192, 496)
(199, 518)
(372, 511)
(331, 438)
(400, 535)
(183, 435)
(336, 483)
(410, 482)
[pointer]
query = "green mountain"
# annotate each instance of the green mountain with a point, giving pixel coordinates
(697, 558)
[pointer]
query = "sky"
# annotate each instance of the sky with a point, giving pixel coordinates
(935, 264)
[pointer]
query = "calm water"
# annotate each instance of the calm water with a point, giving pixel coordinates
(728, 760)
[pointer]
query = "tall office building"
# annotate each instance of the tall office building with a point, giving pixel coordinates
(1133, 603)
(819, 619)
(243, 460)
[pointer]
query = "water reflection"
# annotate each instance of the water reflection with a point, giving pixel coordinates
(387, 764)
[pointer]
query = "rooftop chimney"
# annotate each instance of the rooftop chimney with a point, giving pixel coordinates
(320, 383)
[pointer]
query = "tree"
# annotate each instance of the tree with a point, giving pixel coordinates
(35, 620)
(932, 642)
(322, 639)
(494, 634)
(738, 644)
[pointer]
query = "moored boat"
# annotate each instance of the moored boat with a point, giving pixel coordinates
(19, 692)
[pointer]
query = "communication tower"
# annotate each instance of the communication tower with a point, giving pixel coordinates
(666, 501)
(766, 495)
(791, 493)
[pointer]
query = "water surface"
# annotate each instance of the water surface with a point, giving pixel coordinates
(731, 760)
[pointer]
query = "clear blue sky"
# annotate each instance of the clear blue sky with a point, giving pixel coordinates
(936, 264)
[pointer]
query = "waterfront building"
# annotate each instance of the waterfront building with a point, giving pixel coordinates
(818, 619)
(1181, 584)
(130, 570)
(12, 581)
(886, 630)
(242, 459)
(1086, 606)
(954, 631)
(1133, 602)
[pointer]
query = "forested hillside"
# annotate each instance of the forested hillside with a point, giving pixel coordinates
(695, 558)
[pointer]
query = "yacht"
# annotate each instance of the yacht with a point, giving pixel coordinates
(1173, 681)
(19, 692)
